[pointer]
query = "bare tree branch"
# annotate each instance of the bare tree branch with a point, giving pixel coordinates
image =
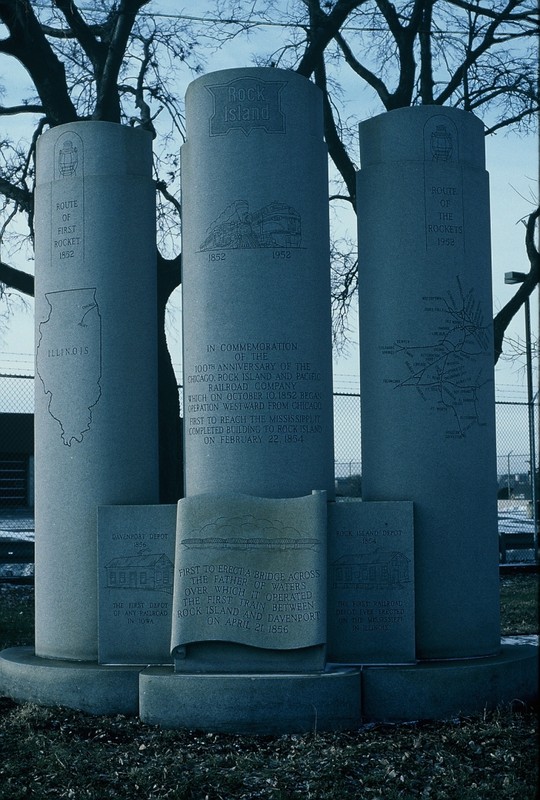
(108, 101)
(529, 15)
(474, 54)
(336, 149)
(17, 279)
(507, 313)
(323, 29)
(161, 186)
(24, 108)
(426, 59)
(22, 197)
(367, 75)
(85, 34)
(28, 44)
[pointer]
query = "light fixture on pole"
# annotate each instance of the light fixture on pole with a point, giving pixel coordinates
(511, 278)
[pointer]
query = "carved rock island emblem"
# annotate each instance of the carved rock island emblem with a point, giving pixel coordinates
(68, 360)
(245, 104)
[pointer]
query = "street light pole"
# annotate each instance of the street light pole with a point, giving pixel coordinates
(530, 404)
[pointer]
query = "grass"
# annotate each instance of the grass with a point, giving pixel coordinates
(16, 615)
(520, 604)
(59, 753)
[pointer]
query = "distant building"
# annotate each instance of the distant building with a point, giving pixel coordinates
(16, 460)
(515, 484)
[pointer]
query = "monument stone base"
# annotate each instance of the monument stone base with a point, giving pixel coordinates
(445, 689)
(82, 685)
(342, 698)
(252, 704)
(232, 658)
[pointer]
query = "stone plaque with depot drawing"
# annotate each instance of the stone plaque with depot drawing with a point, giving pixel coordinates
(250, 585)
(371, 583)
(135, 575)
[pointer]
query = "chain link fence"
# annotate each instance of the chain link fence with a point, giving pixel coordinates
(16, 394)
(513, 449)
(518, 477)
(515, 491)
(347, 445)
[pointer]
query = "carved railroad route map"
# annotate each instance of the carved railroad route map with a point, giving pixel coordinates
(451, 366)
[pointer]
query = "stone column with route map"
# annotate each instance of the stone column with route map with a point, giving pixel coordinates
(96, 380)
(426, 363)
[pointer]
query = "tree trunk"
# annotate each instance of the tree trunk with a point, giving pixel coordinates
(169, 422)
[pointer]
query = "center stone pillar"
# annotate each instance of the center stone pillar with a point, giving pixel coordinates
(248, 634)
(96, 378)
(257, 326)
(426, 363)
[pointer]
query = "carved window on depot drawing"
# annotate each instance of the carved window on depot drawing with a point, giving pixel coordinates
(237, 228)
(152, 572)
(371, 570)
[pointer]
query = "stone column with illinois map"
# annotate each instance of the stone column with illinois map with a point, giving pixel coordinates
(96, 386)
(426, 363)
(256, 286)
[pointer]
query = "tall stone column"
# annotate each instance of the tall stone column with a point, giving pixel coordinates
(427, 391)
(96, 385)
(256, 293)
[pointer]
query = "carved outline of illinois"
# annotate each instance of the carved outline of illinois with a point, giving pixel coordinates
(75, 335)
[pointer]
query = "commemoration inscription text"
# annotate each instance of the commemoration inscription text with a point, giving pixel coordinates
(254, 393)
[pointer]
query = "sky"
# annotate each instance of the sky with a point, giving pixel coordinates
(512, 163)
